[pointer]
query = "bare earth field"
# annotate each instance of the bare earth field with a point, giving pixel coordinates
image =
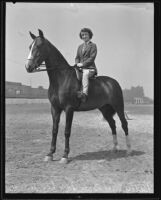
(93, 166)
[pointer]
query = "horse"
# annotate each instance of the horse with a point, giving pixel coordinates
(104, 93)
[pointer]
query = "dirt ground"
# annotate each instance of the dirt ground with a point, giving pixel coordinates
(93, 166)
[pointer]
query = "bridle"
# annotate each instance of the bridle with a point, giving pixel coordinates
(38, 68)
(41, 66)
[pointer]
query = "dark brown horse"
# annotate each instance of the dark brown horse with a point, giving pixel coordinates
(104, 92)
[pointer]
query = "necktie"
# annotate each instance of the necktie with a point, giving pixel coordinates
(84, 47)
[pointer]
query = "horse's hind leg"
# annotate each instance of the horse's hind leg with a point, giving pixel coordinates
(125, 128)
(108, 113)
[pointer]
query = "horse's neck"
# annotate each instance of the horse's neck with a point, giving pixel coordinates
(59, 64)
(55, 58)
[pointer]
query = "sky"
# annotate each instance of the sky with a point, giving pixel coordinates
(123, 33)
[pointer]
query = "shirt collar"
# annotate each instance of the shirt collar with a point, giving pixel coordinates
(87, 42)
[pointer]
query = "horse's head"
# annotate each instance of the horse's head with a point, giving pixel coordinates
(38, 52)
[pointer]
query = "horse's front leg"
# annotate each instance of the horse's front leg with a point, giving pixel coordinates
(56, 118)
(69, 118)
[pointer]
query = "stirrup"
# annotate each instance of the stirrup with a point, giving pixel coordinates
(84, 98)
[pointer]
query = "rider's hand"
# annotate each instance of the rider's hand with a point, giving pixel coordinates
(79, 64)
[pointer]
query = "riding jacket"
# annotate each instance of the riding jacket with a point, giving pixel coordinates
(87, 56)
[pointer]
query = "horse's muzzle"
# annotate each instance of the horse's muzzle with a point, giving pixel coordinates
(28, 68)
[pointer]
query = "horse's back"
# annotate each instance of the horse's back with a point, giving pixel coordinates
(102, 90)
(105, 83)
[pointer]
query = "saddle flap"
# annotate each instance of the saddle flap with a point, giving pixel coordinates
(79, 73)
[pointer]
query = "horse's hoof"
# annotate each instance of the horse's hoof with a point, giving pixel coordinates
(129, 151)
(115, 149)
(64, 161)
(48, 158)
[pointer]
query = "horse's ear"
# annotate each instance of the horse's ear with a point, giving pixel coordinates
(32, 35)
(41, 33)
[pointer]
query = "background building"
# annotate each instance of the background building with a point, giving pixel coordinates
(17, 90)
(135, 95)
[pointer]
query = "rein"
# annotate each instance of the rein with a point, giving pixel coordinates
(40, 68)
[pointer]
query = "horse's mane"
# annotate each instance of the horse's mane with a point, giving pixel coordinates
(58, 57)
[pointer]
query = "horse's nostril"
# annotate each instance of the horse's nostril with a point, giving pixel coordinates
(28, 68)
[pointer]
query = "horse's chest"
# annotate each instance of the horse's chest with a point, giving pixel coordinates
(53, 99)
(61, 99)
(64, 97)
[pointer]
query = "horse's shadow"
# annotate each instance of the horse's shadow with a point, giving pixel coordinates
(106, 155)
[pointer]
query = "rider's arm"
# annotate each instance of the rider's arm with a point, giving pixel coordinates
(77, 58)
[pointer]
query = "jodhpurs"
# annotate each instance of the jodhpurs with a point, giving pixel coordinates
(87, 73)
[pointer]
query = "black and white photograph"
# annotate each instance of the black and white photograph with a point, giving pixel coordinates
(79, 98)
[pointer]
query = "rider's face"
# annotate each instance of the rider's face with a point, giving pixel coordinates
(85, 36)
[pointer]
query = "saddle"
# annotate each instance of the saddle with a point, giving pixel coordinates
(79, 73)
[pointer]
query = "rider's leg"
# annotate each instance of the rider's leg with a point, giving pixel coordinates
(87, 73)
(85, 81)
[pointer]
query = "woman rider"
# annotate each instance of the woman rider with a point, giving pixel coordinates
(85, 57)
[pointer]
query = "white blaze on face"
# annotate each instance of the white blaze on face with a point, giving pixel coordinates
(30, 54)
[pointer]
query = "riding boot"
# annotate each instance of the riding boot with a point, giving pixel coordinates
(79, 94)
(82, 96)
